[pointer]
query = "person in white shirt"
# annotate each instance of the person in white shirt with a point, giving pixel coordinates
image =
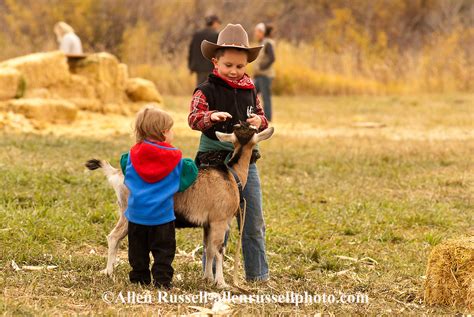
(69, 42)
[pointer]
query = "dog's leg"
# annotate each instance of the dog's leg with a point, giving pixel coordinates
(113, 240)
(217, 240)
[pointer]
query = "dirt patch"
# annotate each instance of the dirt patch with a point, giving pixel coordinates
(112, 122)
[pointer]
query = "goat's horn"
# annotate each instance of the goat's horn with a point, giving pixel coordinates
(265, 134)
(226, 137)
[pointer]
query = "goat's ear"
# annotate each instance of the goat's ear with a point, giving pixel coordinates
(265, 134)
(226, 137)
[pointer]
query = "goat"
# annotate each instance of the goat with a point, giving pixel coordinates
(211, 202)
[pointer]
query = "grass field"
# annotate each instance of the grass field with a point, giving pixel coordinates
(332, 187)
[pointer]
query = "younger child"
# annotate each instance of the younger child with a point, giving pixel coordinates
(154, 171)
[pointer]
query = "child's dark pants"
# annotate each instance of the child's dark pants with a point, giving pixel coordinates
(160, 240)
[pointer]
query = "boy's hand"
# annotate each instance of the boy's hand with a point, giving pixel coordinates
(255, 120)
(220, 116)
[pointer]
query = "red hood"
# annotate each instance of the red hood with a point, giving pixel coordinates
(154, 161)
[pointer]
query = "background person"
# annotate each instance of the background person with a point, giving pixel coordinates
(263, 69)
(68, 41)
(196, 62)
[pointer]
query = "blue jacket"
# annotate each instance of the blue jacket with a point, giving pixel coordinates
(152, 175)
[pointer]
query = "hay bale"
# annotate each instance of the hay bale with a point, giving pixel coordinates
(13, 122)
(99, 67)
(44, 110)
(139, 89)
(3, 106)
(88, 104)
(122, 75)
(102, 71)
(75, 87)
(113, 108)
(76, 90)
(9, 83)
(40, 69)
(37, 93)
(450, 274)
(134, 107)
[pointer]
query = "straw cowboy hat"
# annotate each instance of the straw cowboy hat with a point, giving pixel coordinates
(232, 36)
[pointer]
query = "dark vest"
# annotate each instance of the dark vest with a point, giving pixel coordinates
(221, 97)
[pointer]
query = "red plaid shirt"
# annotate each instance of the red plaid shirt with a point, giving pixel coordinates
(200, 116)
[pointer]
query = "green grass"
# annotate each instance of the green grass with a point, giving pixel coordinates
(388, 194)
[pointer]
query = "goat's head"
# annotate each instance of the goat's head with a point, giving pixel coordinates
(244, 133)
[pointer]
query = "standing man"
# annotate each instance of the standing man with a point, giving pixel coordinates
(263, 69)
(196, 62)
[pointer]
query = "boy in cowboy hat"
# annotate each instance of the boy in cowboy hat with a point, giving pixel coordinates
(227, 97)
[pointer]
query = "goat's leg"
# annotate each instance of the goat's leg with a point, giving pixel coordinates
(113, 240)
(220, 282)
(217, 237)
(210, 252)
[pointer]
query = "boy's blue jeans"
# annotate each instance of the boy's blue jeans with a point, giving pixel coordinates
(264, 86)
(253, 237)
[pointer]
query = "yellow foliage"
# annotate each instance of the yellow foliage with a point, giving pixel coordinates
(443, 66)
(168, 79)
(337, 47)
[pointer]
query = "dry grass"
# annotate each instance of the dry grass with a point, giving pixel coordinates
(379, 197)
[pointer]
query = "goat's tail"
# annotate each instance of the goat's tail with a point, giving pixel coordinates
(93, 164)
(114, 177)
